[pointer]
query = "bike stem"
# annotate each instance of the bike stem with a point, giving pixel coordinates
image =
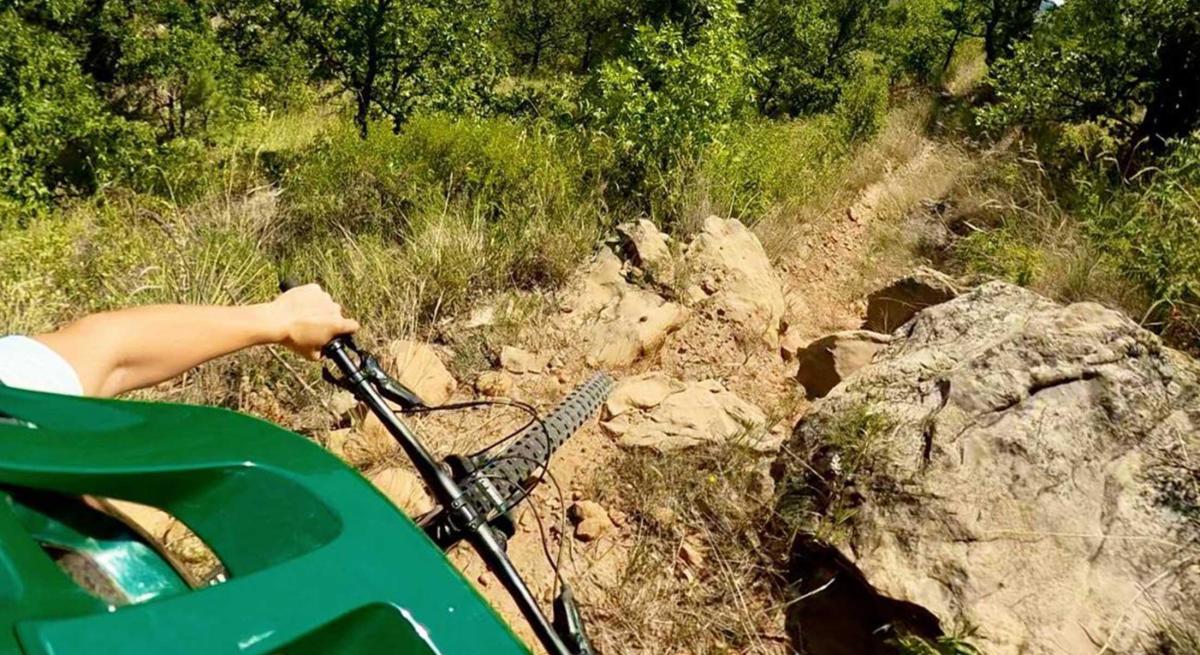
(447, 492)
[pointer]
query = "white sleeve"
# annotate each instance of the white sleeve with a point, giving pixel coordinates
(30, 364)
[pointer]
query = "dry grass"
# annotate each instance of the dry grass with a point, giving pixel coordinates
(1008, 224)
(900, 140)
(698, 578)
(967, 68)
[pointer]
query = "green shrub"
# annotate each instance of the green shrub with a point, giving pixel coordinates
(758, 168)
(467, 205)
(673, 93)
(506, 169)
(914, 39)
(1152, 234)
(806, 50)
(864, 101)
(56, 135)
(1129, 63)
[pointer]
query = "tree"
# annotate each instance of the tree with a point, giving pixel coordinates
(56, 135)
(672, 91)
(534, 29)
(1005, 23)
(805, 50)
(399, 56)
(1131, 64)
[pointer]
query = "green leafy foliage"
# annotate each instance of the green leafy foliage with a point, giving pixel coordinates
(1153, 234)
(399, 58)
(55, 135)
(673, 92)
(806, 50)
(864, 100)
(915, 39)
(1107, 61)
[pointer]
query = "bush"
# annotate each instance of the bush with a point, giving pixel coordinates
(671, 94)
(864, 101)
(1152, 234)
(1128, 63)
(758, 168)
(56, 136)
(376, 184)
(1093, 236)
(806, 50)
(467, 205)
(914, 39)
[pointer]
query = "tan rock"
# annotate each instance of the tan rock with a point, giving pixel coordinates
(362, 447)
(790, 343)
(644, 391)
(1034, 444)
(342, 403)
(591, 520)
(518, 360)
(635, 327)
(404, 488)
(601, 285)
(621, 323)
(735, 278)
(893, 305)
(702, 412)
(650, 249)
(824, 363)
(417, 366)
(494, 384)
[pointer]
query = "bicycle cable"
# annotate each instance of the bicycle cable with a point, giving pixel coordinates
(526, 491)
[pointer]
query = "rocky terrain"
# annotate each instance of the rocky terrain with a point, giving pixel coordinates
(937, 457)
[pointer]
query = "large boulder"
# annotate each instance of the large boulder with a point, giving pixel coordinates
(649, 249)
(663, 414)
(733, 275)
(1011, 464)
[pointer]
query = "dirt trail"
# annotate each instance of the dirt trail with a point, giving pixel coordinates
(823, 281)
(823, 268)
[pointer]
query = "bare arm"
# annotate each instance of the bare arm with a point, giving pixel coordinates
(115, 352)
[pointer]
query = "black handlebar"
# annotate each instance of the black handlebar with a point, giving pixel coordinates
(361, 375)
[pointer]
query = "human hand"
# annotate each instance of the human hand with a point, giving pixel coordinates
(307, 318)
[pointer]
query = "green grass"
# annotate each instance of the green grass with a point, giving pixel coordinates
(1085, 235)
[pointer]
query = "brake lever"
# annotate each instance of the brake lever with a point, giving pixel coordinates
(389, 387)
(568, 622)
(369, 369)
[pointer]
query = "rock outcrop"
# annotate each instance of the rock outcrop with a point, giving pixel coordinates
(732, 275)
(1031, 470)
(621, 322)
(649, 249)
(658, 412)
(824, 363)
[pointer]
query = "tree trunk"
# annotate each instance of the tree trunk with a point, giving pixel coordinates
(366, 91)
(1174, 107)
(950, 50)
(585, 61)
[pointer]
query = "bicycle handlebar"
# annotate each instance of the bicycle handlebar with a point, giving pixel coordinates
(462, 514)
